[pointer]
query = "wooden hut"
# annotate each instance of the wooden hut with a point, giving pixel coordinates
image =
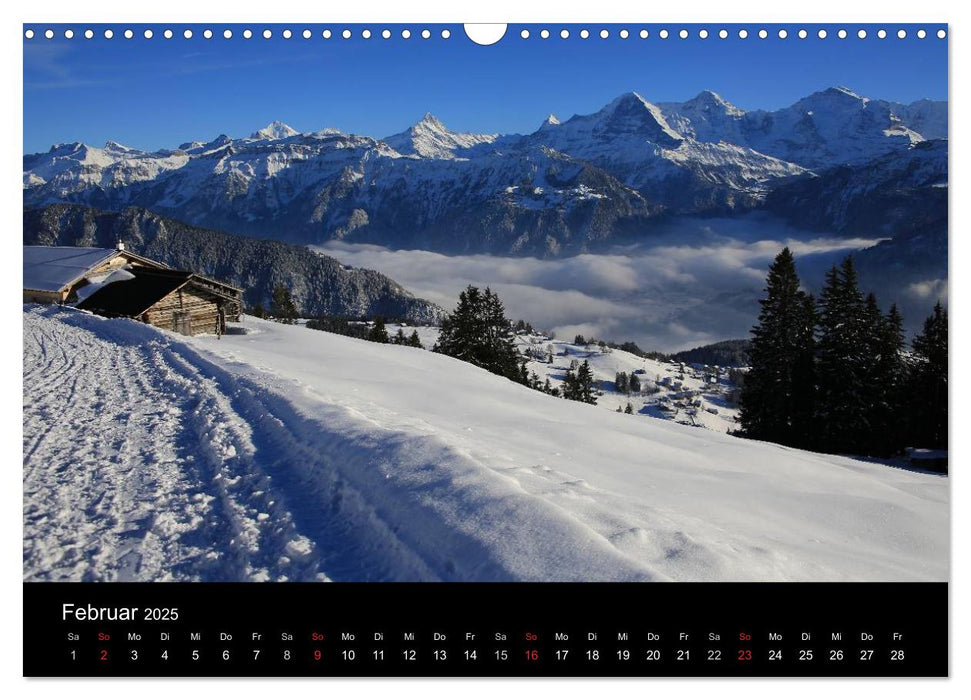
(171, 299)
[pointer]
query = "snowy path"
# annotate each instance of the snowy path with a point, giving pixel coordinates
(114, 485)
(300, 455)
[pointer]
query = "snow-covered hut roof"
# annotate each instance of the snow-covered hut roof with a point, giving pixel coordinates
(55, 268)
(52, 268)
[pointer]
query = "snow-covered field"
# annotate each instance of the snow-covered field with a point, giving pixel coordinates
(288, 453)
(669, 390)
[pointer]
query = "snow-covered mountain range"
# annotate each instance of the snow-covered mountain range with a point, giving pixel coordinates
(567, 187)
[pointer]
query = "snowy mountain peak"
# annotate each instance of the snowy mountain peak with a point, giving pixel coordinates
(836, 98)
(708, 100)
(430, 121)
(430, 138)
(550, 121)
(117, 147)
(633, 115)
(274, 131)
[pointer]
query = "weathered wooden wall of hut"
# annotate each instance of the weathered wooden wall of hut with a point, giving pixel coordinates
(202, 312)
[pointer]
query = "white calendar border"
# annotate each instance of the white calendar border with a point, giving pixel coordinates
(709, 11)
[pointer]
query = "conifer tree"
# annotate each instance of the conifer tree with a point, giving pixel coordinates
(885, 381)
(622, 383)
(414, 341)
(803, 406)
(584, 384)
(399, 338)
(378, 332)
(634, 384)
(771, 395)
(478, 332)
(570, 391)
(283, 309)
(846, 341)
(928, 388)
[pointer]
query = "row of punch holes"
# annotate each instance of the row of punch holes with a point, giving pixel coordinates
(524, 33)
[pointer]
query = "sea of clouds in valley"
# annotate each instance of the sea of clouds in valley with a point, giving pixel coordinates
(696, 281)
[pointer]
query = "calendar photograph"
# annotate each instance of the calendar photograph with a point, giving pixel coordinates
(574, 303)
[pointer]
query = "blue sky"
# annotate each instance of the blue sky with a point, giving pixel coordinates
(159, 93)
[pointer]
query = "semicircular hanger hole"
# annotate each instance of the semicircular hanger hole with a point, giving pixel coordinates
(485, 34)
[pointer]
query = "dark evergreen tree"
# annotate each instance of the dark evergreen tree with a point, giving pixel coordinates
(579, 340)
(803, 405)
(846, 341)
(622, 383)
(885, 383)
(283, 308)
(584, 384)
(570, 389)
(399, 337)
(378, 332)
(524, 374)
(634, 384)
(414, 341)
(547, 387)
(770, 399)
(478, 332)
(928, 389)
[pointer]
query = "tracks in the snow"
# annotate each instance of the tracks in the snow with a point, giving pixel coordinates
(143, 461)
